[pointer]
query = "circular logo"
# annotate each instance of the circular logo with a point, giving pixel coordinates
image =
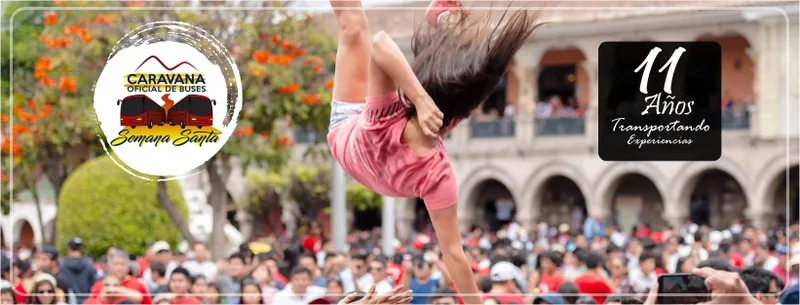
(166, 107)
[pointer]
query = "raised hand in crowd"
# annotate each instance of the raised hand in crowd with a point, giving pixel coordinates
(726, 287)
(397, 296)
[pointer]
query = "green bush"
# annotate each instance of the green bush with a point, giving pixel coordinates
(106, 206)
(361, 198)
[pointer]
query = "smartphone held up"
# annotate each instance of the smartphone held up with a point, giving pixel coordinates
(682, 288)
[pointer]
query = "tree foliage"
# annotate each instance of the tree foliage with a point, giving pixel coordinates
(361, 198)
(285, 60)
(108, 207)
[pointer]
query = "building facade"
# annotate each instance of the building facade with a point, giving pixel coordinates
(533, 168)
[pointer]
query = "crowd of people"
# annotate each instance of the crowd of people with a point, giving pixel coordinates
(595, 264)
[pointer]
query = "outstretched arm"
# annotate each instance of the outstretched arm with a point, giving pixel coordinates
(390, 70)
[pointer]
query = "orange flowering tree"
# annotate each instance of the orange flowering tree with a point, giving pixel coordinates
(285, 60)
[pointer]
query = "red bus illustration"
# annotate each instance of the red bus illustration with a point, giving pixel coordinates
(140, 110)
(192, 110)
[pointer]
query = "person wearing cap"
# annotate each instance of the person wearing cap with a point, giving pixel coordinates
(77, 271)
(780, 268)
(162, 253)
(504, 289)
(45, 291)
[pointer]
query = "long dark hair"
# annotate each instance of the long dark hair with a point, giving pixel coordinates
(460, 64)
(251, 282)
(33, 296)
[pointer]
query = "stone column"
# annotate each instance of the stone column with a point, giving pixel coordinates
(404, 209)
(675, 215)
(770, 78)
(590, 114)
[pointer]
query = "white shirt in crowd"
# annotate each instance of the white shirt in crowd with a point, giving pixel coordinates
(206, 268)
(641, 282)
(618, 239)
(287, 297)
(364, 282)
(771, 263)
(347, 280)
(383, 286)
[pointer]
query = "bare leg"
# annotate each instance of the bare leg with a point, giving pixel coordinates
(352, 64)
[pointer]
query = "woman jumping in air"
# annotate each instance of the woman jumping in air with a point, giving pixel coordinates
(392, 142)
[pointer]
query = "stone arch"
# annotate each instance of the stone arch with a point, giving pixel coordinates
(719, 201)
(535, 184)
(607, 184)
(769, 180)
(468, 191)
(684, 182)
(24, 233)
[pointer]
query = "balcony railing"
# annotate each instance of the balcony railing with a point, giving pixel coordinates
(560, 126)
(495, 128)
(735, 119)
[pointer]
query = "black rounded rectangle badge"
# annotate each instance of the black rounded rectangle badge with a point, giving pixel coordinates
(659, 101)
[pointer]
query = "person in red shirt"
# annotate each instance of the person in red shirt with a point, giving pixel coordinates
(504, 277)
(549, 278)
(179, 283)
(312, 242)
(130, 288)
(592, 282)
(144, 262)
(107, 295)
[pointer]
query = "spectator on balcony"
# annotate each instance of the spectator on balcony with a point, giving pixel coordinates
(509, 111)
(543, 109)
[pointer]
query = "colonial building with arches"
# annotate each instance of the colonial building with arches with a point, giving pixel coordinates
(547, 166)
